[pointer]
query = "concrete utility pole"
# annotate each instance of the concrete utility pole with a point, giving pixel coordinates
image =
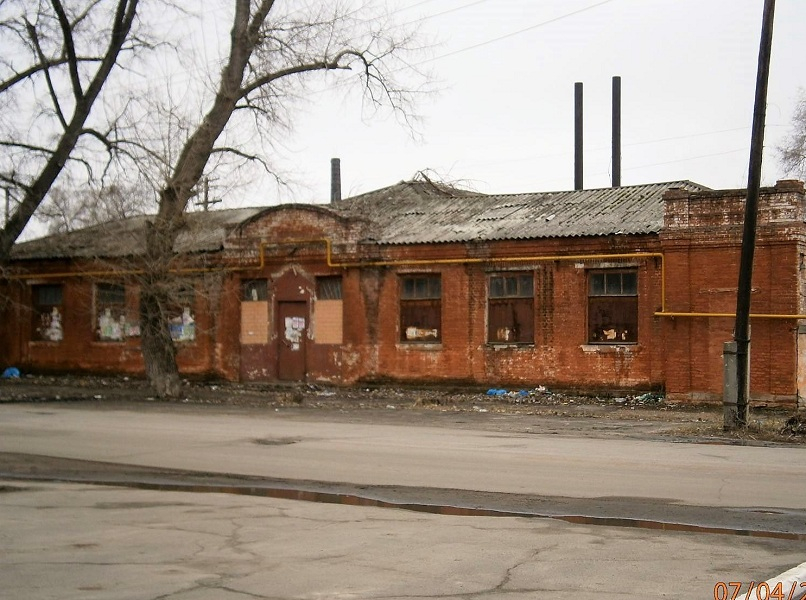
(738, 417)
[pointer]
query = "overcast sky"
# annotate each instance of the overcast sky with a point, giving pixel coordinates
(503, 122)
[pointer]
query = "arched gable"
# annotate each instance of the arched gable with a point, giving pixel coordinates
(290, 222)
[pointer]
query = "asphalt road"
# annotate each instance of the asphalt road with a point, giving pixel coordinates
(633, 518)
(281, 445)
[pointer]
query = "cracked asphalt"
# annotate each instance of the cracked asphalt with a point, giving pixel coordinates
(81, 541)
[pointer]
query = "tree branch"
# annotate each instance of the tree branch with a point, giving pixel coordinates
(242, 154)
(54, 98)
(69, 48)
(33, 70)
(295, 70)
(35, 192)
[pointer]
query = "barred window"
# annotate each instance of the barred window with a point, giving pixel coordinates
(328, 288)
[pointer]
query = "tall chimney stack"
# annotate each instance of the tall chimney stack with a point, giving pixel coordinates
(578, 135)
(335, 180)
(616, 131)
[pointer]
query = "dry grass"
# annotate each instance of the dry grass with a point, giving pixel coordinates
(764, 428)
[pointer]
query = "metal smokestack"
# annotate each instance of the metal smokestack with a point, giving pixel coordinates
(335, 179)
(578, 136)
(616, 152)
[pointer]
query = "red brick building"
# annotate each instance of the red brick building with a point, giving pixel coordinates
(629, 288)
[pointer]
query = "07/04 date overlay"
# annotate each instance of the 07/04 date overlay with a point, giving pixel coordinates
(734, 590)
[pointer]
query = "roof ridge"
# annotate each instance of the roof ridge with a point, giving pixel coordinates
(600, 189)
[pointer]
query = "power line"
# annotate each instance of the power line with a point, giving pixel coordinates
(514, 33)
(444, 12)
(679, 160)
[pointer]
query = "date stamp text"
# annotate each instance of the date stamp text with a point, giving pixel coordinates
(733, 590)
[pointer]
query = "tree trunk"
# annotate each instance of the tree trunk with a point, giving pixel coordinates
(159, 352)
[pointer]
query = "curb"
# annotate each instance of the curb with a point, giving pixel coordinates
(792, 585)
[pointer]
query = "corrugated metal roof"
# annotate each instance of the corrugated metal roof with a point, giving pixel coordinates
(419, 212)
(413, 212)
(205, 232)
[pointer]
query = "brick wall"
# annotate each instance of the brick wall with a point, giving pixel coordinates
(559, 355)
(80, 350)
(701, 242)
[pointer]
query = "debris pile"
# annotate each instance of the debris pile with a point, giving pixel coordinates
(795, 425)
(542, 395)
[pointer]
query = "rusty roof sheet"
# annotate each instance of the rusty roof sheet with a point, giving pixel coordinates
(419, 212)
(204, 232)
(412, 212)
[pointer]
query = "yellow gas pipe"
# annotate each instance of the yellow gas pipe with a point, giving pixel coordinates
(418, 262)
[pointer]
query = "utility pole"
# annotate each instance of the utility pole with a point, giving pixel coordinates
(206, 203)
(741, 333)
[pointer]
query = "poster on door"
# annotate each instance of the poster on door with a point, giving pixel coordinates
(294, 330)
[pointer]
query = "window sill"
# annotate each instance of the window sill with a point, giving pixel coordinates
(425, 346)
(510, 346)
(627, 347)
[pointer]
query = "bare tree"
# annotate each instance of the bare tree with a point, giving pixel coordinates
(792, 152)
(56, 60)
(273, 47)
(68, 209)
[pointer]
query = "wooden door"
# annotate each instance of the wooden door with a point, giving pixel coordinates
(293, 336)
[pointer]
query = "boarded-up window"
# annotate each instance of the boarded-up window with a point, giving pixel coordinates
(421, 308)
(511, 315)
(254, 322)
(328, 311)
(48, 313)
(110, 312)
(613, 307)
